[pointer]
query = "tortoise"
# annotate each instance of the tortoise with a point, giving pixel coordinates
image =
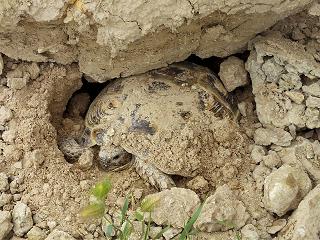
(152, 120)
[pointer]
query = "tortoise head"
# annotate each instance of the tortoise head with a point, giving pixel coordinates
(86, 139)
(113, 158)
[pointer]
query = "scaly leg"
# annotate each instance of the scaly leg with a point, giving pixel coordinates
(152, 174)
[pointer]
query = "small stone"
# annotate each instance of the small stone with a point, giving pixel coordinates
(285, 188)
(180, 201)
(249, 232)
(5, 224)
(272, 159)
(296, 97)
(17, 165)
(171, 233)
(22, 219)
(9, 136)
(314, 10)
(5, 115)
(36, 233)
(59, 235)
(51, 224)
(257, 153)
(267, 136)
(17, 83)
(154, 231)
(17, 197)
(198, 183)
(304, 223)
(33, 70)
(5, 199)
(277, 226)
(312, 89)
(86, 159)
(242, 108)
(313, 102)
(222, 211)
(4, 182)
(233, 73)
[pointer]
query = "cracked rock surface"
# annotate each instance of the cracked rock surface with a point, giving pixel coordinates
(106, 37)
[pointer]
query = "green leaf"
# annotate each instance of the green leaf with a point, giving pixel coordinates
(149, 203)
(159, 234)
(95, 210)
(124, 210)
(238, 236)
(108, 230)
(188, 227)
(138, 216)
(127, 230)
(101, 189)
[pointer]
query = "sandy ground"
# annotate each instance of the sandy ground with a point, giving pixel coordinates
(265, 171)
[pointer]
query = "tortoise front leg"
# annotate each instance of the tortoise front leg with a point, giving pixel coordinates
(152, 174)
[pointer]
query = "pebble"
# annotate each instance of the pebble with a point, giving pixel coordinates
(222, 211)
(9, 136)
(59, 235)
(277, 226)
(171, 233)
(198, 183)
(267, 136)
(249, 232)
(180, 201)
(284, 188)
(5, 199)
(233, 73)
(272, 159)
(36, 233)
(4, 182)
(17, 83)
(5, 115)
(51, 224)
(5, 224)
(22, 219)
(304, 223)
(257, 153)
(85, 161)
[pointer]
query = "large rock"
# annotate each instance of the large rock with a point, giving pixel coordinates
(59, 235)
(285, 81)
(305, 154)
(285, 188)
(222, 211)
(107, 38)
(304, 224)
(180, 201)
(22, 219)
(5, 224)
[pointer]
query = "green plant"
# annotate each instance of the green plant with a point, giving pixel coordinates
(188, 229)
(97, 210)
(143, 215)
(230, 224)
